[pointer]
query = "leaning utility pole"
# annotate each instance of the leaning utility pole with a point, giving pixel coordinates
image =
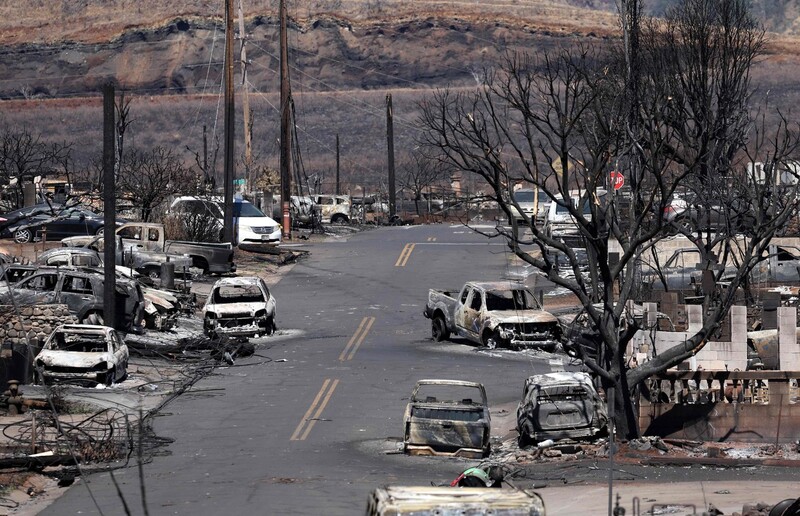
(390, 143)
(286, 134)
(248, 123)
(338, 188)
(109, 209)
(227, 228)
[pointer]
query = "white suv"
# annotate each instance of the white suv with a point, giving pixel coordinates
(250, 223)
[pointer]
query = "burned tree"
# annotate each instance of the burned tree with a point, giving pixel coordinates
(147, 179)
(418, 174)
(23, 156)
(681, 126)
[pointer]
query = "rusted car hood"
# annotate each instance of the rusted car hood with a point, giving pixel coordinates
(56, 357)
(521, 316)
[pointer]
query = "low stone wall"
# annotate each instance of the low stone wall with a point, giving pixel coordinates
(37, 322)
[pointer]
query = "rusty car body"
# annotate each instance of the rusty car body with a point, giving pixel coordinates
(450, 501)
(493, 313)
(561, 405)
(239, 307)
(82, 353)
(447, 417)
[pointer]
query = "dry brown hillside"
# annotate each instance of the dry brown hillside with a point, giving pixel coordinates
(41, 21)
(345, 57)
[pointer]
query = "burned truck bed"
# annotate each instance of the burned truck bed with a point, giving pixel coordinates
(447, 417)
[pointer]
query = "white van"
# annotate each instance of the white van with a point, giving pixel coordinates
(251, 224)
(524, 197)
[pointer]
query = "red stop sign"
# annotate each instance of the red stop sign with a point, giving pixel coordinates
(617, 179)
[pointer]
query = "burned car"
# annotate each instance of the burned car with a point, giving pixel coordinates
(82, 353)
(447, 417)
(82, 292)
(492, 313)
(239, 307)
(561, 405)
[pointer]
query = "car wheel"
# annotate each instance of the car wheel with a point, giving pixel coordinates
(23, 236)
(492, 340)
(339, 219)
(109, 378)
(99, 232)
(524, 439)
(439, 330)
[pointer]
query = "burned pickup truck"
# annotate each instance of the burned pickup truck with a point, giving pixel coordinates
(494, 314)
(560, 406)
(447, 417)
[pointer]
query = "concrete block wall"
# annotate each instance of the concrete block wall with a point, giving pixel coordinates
(715, 355)
(788, 347)
(724, 355)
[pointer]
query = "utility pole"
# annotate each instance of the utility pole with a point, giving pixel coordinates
(286, 134)
(390, 143)
(248, 122)
(206, 175)
(338, 188)
(109, 209)
(227, 228)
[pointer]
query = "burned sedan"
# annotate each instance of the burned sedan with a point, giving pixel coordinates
(82, 353)
(447, 417)
(239, 307)
(560, 406)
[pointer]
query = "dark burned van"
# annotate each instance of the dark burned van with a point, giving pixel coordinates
(452, 501)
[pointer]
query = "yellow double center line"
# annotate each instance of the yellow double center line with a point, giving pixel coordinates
(316, 408)
(404, 254)
(358, 337)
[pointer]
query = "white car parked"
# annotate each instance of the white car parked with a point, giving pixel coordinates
(250, 223)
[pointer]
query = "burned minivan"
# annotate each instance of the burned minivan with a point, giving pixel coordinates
(561, 405)
(447, 417)
(239, 307)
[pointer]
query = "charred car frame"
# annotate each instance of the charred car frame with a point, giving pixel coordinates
(561, 405)
(447, 417)
(239, 307)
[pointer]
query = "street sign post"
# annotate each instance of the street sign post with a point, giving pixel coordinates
(616, 179)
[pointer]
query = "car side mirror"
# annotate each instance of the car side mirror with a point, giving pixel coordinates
(82, 216)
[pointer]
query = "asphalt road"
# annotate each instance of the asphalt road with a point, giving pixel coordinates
(313, 422)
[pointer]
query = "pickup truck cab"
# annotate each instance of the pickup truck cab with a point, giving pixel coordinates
(494, 314)
(147, 237)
